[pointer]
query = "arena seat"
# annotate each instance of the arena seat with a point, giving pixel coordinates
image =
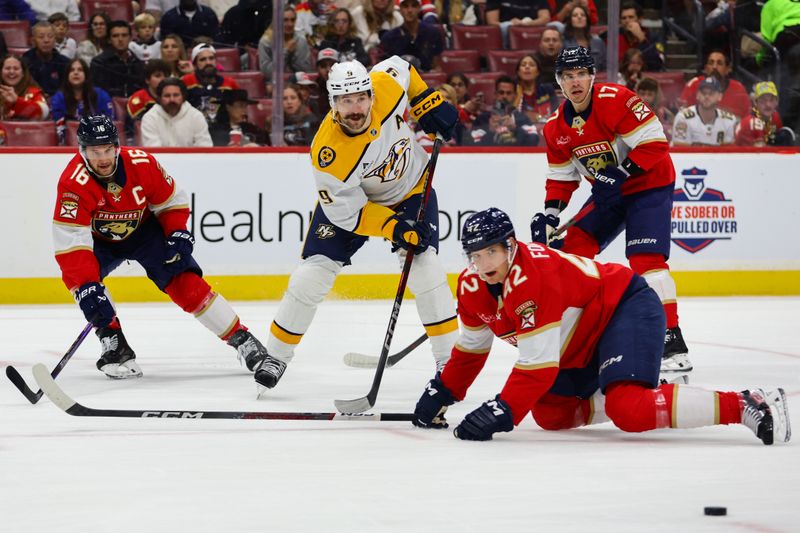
(252, 58)
(116, 9)
(16, 33)
(671, 84)
(78, 30)
(259, 112)
(34, 133)
(120, 107)
(476, 37)
(71, 133)
(460, 61)
(505, 61)
(228, 60)
(433, 78)
(17, 51)
(525, 37)
(252, 82)
(483, 82)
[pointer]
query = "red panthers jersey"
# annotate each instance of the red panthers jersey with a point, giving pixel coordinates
(617, 125)
(87, 209)
(755, 131)
(554, 307)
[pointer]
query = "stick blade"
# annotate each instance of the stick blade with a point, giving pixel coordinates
(53, 391)
(359, 405)
(360, 360)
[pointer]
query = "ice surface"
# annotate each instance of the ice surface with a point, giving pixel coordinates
(98, 475)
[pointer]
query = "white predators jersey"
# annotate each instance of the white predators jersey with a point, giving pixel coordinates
(360, 177)
(689, 129)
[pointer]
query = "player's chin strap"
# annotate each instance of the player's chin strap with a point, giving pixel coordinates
(82, 151)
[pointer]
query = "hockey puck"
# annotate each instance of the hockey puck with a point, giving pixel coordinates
(715, 511)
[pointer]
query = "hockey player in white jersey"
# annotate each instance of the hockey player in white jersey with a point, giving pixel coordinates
(704, 124)
(369, 172)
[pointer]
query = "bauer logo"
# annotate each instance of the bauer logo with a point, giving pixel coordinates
(700, 214)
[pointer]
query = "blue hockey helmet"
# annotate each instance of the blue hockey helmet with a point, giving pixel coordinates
(96, 130)
(574, 57)
(485, 228)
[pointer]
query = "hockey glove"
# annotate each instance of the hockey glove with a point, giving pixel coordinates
(433, 114)
(95, 304)
(542, 229)
(607, 188)
(407, 234)
(179, 247)
(432, 405)
(489, 418)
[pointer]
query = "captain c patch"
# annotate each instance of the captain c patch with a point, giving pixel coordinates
(326, 156)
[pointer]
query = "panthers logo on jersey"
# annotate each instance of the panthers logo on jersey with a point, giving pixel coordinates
(395, 164)
(116, 226)
(596, 156)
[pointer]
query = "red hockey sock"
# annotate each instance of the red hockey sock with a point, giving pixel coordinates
(189, 291)
(579, 242)
(633, 407)
(730, 407)
(553, 412)
(654, 269)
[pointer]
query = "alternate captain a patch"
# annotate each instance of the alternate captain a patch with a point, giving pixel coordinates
(326, 156)
(596, 156)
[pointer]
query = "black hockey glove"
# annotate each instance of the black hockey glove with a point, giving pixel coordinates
(434, 114)
(407, 234)
(95, 304)
(489, 418)
(607, 188)
(178, 251)
(542, 228)
(432, 405)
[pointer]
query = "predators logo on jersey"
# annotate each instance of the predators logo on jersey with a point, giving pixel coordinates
(326, 156)
(596, 156)
(115, 226)
(395, 164)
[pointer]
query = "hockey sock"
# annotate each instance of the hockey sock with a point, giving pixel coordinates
(428, 282)
(654, 269)
(580, 243)
(310, 282)
(194, 295)
(634, 407)
(554, 412)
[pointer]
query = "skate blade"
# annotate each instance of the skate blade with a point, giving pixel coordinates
(673, 378)
(127, 370)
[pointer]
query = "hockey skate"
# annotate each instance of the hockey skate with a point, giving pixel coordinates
(117, 361)
(269, 372)
(248, 349)
(767, 415)
(676, 354)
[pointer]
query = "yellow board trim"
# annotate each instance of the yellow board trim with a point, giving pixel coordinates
(375, 286)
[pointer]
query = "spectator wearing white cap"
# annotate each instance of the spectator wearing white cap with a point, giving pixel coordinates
(173, 121)
(326, 58)
(205, 85)
(296, 52)
(308, 88)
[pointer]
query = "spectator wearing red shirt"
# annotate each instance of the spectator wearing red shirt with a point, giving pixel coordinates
(633, 35)
(560, 10)
(20, 96)
(763, 126)
(734, 96)
(142, 100)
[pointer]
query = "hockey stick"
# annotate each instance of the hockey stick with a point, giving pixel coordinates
(365, 403)
(361, 360)
(64, 402)
(19, 383)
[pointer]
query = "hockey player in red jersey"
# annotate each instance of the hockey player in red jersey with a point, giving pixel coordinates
(589, 340)
(607, 134)
(116, 204)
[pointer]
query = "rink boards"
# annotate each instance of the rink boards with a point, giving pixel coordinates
(732, 225)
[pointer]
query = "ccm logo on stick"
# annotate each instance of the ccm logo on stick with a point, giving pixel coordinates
(171, 414)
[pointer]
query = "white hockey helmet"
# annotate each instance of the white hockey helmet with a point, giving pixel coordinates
(348, 77)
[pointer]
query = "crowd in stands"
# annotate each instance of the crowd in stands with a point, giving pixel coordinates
(189, 73)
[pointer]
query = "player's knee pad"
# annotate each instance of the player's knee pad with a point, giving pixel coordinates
(553, 412)
(189, 291)
(313, 279)
(579, 242)
(631, 406)
(655, 271)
